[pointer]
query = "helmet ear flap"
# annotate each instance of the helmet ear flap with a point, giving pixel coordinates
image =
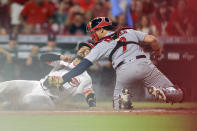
(94, 37)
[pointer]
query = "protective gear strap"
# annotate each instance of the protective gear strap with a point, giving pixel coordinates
(114, 35)
(94, 36)
(119, 44)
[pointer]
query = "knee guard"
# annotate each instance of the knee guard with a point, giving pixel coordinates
(173, 94)
(125, 99)
(169, 94)
(90, 98)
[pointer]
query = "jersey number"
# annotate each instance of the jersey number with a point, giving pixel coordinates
(123, 39)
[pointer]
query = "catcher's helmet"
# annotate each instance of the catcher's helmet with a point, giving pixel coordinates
(97, 23)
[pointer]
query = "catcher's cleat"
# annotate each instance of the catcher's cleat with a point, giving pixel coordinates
(168, 95)
(125, 100)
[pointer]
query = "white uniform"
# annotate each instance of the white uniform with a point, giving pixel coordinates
(26, 94)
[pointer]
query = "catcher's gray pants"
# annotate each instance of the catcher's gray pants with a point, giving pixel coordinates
(137, 71)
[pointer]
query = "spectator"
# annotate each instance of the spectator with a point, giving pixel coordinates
(10, 50)
(32, 68)
(121, 20)
(11, 47)
(16, 8)
(145, 25)
(78, 26)
(32, 55)
(5, 17)
(76, 8)
(137, 11)
(33, 58)
(178, 23)
(35, 14)
(51, 46)
(16, 55)
(171, 4)
(100, 9)
(161, 19)
(85, 4)
(192, 11)
(52, 5)
(61, 15)
(148, 7)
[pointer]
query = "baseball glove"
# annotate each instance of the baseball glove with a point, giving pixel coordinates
(54, 82)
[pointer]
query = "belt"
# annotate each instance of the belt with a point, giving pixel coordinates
(140, 56)
(122, 62)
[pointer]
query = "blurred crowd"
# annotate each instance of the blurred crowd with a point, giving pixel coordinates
(69, 17)
(21, 61)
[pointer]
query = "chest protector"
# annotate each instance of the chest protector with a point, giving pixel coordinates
(119, 43)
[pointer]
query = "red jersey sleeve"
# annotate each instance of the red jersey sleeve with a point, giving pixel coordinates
(25, 10)
(51, 8)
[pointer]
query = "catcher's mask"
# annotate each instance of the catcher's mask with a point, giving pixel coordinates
(96, 24)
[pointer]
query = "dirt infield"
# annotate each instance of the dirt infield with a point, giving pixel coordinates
(135, 111)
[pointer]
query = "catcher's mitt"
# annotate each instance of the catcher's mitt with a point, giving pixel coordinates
(54, 82)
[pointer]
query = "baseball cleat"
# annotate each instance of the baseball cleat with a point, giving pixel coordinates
(125, 102)
(157, 93)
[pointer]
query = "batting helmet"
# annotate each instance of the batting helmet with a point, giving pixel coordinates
(89, 44)
(97, 23)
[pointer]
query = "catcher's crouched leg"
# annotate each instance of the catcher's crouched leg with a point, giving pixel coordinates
(125, 99)
(169, 94)
(90, 98)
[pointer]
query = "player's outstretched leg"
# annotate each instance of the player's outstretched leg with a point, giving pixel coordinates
(161, 87)
(36, 101)
(168, 94)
